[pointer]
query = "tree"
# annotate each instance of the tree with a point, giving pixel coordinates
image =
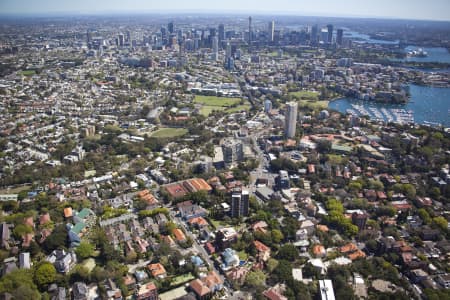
(288, 252)
(277, 236)
(255, 279)
(19, 280)
(44, 274)
(424, 215)
(79, 273)
(272, 263)
(283, 272)
(441, 223)
(335, 205)
(84, 250)
(21, 229)
(57, 239)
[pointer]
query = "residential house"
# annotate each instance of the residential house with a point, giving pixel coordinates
(150, 225)
(179, 235)
(200, 289)
(418, 275)
(57, 292)
(230, 259)
(147, 292)
(161, 220)
(207, 286)
(444, 280)
(260, 226)
(157, 270)
(198, 222)
(62, 260)
(129, 282)
(225, 237)
(237, 275)
(112, 292)
(188, 210)
(309, 226)
(262, 250)
(80, 291)
(319, 251)
(24, 260)
(276, 292)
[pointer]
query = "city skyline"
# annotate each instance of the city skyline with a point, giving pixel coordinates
(415, 9)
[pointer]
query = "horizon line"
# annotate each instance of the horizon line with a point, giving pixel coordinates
(202, 12)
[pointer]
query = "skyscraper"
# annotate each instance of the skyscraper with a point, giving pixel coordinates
(221, 33)
(228, 50)
(271, 31)
(215, 47)
(250, 34)
(290, 119)
(121, 40)
(267, 105)
(88, 36)
(314, 33)
(170, 27)
(330, 33)
(339, 36)
(239, 203)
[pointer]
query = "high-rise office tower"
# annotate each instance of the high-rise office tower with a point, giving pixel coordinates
(250, 34)
(221, 33)
(128, 36)
(330, 34)
(228, 50)
(121, 40)
(267, 105)
(88, 36)
(271, 31)
(215, 47)
(170, 27)
(314, 33)
(240, 203)
(339, 36)
(290, 119)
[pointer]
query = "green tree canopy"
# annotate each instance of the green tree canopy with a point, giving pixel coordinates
(288, 252)
(255, 279)
(19, 280)
(84, 250)
(44, 274)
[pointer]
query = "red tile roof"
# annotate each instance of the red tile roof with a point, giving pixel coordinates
(260, 246)
(199, 288)
(179, 235)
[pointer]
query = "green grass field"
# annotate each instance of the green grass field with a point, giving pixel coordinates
(238, 108)
(16, 190)
(206, 110)
(182, 279)
(210, 103)
(216, 101)
(314, 104)
(305, 95)
(28, 72)
(169, 132)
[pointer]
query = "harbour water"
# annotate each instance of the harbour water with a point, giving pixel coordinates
(434, 54)
(427, 105)
(365, 38)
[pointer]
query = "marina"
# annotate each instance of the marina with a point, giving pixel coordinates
(427, 105)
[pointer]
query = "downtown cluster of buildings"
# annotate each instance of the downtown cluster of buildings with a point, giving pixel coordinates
(198, 157)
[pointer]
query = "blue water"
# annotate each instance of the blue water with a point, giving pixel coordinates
(435, 54)
(364, 38)
(428, 104)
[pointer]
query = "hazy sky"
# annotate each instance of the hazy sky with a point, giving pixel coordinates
(404, 9)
